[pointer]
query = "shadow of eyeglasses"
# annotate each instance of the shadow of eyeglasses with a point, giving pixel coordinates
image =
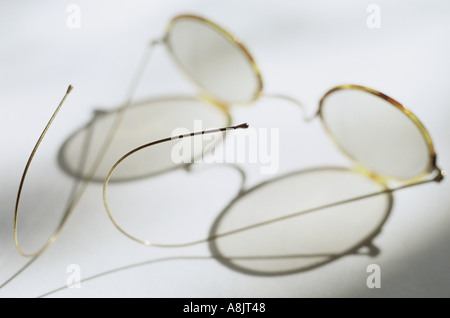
(225, 242)
(313, 217)
(296, 260)
(142, 122)
(272, 262)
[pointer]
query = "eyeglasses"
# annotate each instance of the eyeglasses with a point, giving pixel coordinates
(385, 140)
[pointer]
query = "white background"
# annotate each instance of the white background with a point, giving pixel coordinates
(303, 48)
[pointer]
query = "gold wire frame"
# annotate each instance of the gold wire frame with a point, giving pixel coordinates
(361, 167)
(223, 106)
(135, 150)
(22, 182)
(228, 36)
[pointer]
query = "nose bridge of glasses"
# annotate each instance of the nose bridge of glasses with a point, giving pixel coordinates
(294, 101)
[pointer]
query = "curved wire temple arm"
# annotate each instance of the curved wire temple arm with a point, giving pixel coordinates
(99, 157)
(22, 181)
(438, 177)
(110, 173)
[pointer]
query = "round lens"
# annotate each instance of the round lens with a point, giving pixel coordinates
(141, 124)
(291, 224)
(214, 59)
(377, 132)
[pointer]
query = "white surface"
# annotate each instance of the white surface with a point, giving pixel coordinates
(303, 49)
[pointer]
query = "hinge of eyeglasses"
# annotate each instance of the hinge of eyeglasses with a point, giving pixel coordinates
(368, 249)
(440, 175)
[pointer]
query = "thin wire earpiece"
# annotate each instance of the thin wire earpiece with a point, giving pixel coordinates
(437, 178)
(293, 101)
(96, 163)
(110, 173)
(24, 175)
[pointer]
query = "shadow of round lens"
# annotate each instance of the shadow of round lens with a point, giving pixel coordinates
(141, 123)
(292, 223)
